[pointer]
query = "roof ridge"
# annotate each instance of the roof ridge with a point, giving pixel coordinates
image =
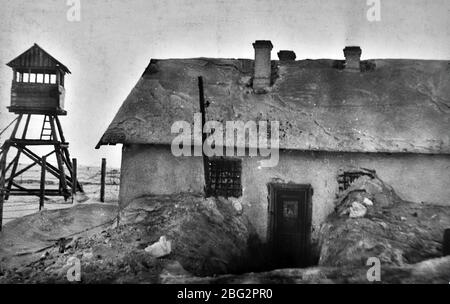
(35, 45)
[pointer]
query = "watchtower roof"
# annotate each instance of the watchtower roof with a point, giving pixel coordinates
(37, 57)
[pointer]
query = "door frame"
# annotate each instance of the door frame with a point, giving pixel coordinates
(273, 193)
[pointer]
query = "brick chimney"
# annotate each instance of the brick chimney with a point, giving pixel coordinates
(352, 58)
(262, 68)
(285, 55)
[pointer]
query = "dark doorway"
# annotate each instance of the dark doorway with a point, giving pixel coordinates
(290, 213)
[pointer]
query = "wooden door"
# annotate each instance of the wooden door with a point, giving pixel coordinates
(290, 224)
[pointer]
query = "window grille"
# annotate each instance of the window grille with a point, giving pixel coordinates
(347, 178)
(224, 177)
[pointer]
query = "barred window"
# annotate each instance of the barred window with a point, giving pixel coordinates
(345, 179)
(224, 177)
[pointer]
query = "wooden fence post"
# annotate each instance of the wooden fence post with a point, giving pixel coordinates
(42, 188)
(102, 181)
(74, 177)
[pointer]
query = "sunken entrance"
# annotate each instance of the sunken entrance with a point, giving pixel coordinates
(290, 217)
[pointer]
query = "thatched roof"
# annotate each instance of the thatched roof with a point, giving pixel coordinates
(392, 106)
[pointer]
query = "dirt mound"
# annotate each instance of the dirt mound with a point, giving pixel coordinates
(209, 236)
(25, 236)
(371, 220)
(206, 236)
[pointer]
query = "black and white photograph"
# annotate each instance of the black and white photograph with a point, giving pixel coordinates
(224, 142)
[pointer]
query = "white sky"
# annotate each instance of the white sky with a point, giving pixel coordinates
(110, 47)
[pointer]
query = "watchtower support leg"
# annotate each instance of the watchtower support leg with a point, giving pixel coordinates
(66, 153)
(3, 169)
(62, 175)
(16, 159)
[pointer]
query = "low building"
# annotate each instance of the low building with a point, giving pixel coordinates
(391, 116)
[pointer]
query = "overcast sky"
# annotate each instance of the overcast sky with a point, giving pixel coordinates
(110, 47)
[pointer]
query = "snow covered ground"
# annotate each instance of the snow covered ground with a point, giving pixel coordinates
(89, 177)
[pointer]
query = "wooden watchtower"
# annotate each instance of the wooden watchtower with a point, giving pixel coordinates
(37, 90)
